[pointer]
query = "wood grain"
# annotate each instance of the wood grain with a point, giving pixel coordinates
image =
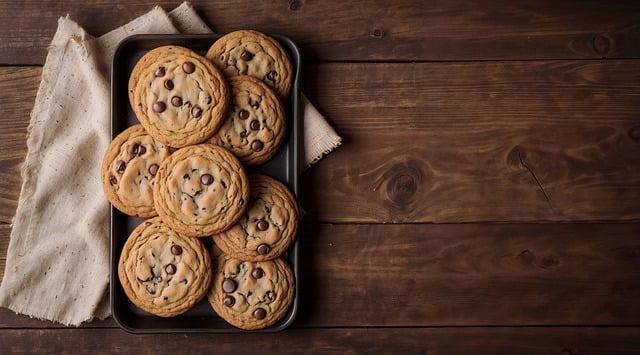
(405, 30)
(491, 138)
(564, 341)
(19, 86)
(442, 275)
(446, 142)
(464, 274)
(464, 142)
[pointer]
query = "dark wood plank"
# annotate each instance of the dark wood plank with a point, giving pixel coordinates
(365, 30)
(463, 142)
(565, 341)
(434, 275)
(5, 231)
(464, 274)
(446, 142)
(19, 86)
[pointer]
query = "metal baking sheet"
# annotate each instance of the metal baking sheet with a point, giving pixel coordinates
(284, 166)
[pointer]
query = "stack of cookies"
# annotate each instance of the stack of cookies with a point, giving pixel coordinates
(202, 120)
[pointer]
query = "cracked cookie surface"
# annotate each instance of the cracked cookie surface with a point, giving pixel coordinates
(251, 295)
(163, 272)
(255, 123)
(201, 190)
(255, 54)
(179, 96)
(128, 171)
(267, 228)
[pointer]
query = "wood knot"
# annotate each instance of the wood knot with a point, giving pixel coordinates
(293, 5)
(402, 184)
(401, 188)
(549, 261)
(526, 256)
(601, 44)
(377, 32)
(634, 133)
(516, 155)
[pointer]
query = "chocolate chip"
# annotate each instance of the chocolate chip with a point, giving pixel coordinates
(256, 146)
(159, 106)
(208, 100)
(186, 176)
(229, 300)
(176, 249)
(188, 67)
(254, 104)
(206, 179)
(243, 134)
(257, 273)
(133, 149)
(270, 295)
(263, 249)
(159, 72)
(170, 269)
(153, 169)
(229, 285)
(176, 101)
(196, 111)
(259, 313)
(168, 84)
(243, 114)
(255, 125)
(262, 225)
(271, 75)
(246, 55)
(113, 180)
(141, 150)
(120, 165)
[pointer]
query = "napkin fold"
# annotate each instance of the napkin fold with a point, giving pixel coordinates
(57, 265)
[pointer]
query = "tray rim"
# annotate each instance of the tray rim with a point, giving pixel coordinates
(294, 134)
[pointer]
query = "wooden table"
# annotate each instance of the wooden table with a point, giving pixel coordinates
(486, 197)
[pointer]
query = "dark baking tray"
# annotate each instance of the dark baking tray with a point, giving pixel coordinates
(283, 166)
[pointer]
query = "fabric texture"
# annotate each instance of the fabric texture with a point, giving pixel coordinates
(57, 265)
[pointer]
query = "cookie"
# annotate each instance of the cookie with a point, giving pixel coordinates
(128, 171)
(251, 295)
(255, 54)
(267, 228)
(179, 96)
(255, 123)
(163, 272)
(201, 190)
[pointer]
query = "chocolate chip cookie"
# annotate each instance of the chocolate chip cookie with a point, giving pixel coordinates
(128, 171)
(163, 272)
(255, 54)
(201, 190)
(255, 124)
(251, 295)
(267, 228)
(179, 96)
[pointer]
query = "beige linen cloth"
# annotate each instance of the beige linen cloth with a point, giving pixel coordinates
(57, 265)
